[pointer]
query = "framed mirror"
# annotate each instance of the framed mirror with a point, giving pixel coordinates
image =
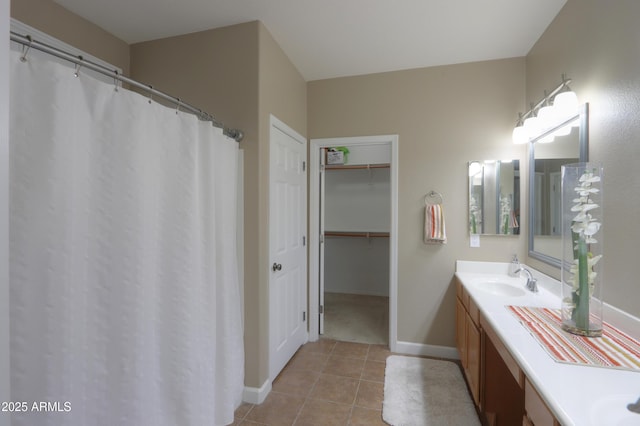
(545, 160)
(494, 197)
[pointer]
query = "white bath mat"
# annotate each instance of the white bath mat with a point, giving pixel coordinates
(426, 392)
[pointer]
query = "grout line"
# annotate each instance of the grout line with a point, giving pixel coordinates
(355, 399)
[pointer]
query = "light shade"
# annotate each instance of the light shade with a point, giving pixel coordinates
(520, 135)
(532, 126)
(566, 103)
(547, 139)
(547, 116)
(563, 131)
(474, 168)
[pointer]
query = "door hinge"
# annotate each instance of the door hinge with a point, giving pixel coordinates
(304, 240)
(304, 166)
(322, 309)
(304, 316)
(321, 168)
(321, 238)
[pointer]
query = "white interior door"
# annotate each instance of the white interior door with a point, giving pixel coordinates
(287, 245)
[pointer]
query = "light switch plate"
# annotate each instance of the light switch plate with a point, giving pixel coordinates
(474, 240)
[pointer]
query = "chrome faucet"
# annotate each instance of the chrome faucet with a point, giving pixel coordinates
(532, 283)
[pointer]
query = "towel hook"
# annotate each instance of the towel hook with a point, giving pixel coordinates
(433, 194)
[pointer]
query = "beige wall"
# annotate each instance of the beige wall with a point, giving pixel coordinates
(283, 93)
(444, 116)
(240, 74)
(58, 22)
(596, 44)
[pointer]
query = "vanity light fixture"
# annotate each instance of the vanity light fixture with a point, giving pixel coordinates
(520, 135)
(547, 114)
(566, 102)
(474, 168)
(532, 123)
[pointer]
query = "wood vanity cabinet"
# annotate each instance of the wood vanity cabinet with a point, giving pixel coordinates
(469, 341)
(508, 396)
(503, 386)
(500, 389)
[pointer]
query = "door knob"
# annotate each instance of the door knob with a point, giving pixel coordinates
(276, 267)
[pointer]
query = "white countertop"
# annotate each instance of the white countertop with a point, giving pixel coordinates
(577, 395)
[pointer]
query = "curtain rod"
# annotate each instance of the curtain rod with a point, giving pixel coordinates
(29, 43)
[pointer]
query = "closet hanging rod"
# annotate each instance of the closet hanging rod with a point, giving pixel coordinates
(356, 166)
(29, 43)
(356, 234)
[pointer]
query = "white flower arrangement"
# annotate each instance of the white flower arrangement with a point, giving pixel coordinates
(505, 213)
(584, 227)
(474, 212)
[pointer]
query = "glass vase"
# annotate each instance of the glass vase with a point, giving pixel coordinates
(582, 242)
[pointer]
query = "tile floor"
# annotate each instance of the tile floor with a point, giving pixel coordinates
(326, 383)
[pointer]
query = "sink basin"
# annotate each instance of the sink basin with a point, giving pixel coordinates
(612, 410)
(499, 288)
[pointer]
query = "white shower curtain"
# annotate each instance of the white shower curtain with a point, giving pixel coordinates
(124, 294)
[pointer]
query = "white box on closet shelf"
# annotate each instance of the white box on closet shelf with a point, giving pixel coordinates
(335, 157)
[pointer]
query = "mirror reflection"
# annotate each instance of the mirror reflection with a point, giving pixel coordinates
(545, 179)
(548, 160)
(494, 197)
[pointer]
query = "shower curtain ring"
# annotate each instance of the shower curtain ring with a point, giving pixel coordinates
(115, 80)
(78, 66)
(25, 49)
(150, 94)
(178, 105)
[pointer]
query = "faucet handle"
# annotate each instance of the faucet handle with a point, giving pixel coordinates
(514, 266)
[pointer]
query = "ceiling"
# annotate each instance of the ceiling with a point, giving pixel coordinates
(334, 38)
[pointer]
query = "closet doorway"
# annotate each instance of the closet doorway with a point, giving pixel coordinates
(353, 240)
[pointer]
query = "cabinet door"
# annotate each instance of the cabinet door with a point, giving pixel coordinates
(473, 359)
(536, 409)
(461, 332)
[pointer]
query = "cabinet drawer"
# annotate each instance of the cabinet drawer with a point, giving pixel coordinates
(537, 411)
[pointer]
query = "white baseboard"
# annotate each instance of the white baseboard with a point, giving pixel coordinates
(409, 348)
(256, 395)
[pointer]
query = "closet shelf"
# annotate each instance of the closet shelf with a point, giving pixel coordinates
(356, 166)
(356, 234)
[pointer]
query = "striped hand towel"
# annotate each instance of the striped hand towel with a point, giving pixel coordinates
(514, 220)
(434, 229)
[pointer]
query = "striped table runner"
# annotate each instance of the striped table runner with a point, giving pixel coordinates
(614, 349)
